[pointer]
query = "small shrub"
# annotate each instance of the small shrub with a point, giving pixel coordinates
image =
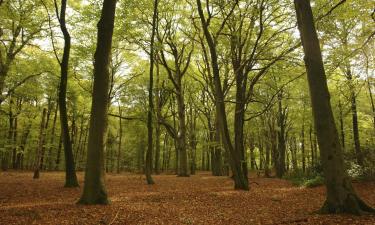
(315, 182)
(311, 178)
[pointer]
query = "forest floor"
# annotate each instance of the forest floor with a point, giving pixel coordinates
(200, 199)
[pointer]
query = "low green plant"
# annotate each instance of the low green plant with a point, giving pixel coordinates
(314, 182)
(310, 178)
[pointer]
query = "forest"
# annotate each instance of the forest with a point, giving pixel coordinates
(187, 112)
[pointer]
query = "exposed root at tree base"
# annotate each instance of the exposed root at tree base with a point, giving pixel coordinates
(352, 205)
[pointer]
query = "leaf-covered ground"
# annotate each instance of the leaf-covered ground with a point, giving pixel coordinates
(200, 199)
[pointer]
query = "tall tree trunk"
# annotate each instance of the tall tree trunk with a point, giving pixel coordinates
(341, 196)
(280, 169)
(193, 139)
(252, 152)
(58, 157)
(40, 144)
(183, 170)
(52, 140)
(148, 168)
(84, 146)
(261, 152)
(239, 175)
(94, 191)
(70, 173)
(8, 149)
(42, 158)
(120, 141)
(372, 102)
(217, 160)
(267, 172)
(78, 144)
(293, 150)
(353, 101)
(24, 138)
(239, 119)
(303, 146)
(312, 151)
(341, 119)
(157, 125)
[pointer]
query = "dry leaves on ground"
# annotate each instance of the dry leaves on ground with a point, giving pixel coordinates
(199, 199)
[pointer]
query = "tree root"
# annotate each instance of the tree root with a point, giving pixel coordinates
(98, 199)
(352, 205)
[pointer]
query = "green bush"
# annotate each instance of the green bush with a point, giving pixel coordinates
(310, 178)
(315, 182)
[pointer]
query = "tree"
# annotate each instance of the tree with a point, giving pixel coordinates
(16, 33)
(148, 168)
(94, 191)
(180, 50)
(239, 175)
(70, 173)
(40, 144)
(340, 196)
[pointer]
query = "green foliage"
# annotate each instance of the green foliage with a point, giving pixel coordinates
(308, 179)
(314, 182)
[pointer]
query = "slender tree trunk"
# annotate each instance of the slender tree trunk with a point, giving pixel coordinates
(24, 138)
(70, 174)
(217, 156)
(42, 158)
(341, 196)
(40, 144)
(157, 125)
(312, 151)
(303, 146)
(293, 150)
(261, 152)
(14, 141)
(84, 146)
(353, 100)
(119, 142)
(252, 153)
(148, 168)
(94, 191)
(372, 101)
(58, 157)
(267, 172)
(52, 140)
(5, 159)
(280, 169)
(341, 119)
(79, 142)
(193, 139)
